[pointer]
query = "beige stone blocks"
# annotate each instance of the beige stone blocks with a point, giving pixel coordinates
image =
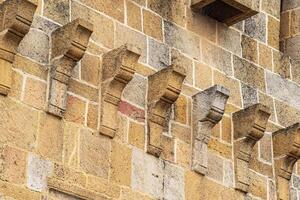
(164, 88)
(227, 11)
(208, 110)
(68, 46)
(16, 17)
(118, 68)
(249, 125)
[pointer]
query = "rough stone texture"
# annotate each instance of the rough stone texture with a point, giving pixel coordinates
(203, 78)
(159, 54)
(216, 57)
(249, 73)
(35, 49)
(249, 49)
(265, 57)
(152, 25)
(134, 16)
(136, 135)
(38, 171)
(181, 39)
(137, 84)
(173, 182)
(147, 174)
(256, 27)
(249, 96)
(228, 38)
(57, 10)
(284, 90)
(13, 165)
(273, 32)
(94, 153)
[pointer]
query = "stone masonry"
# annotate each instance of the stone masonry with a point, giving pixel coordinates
(149, 99)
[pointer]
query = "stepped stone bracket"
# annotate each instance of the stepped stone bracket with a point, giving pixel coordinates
(208, 109)
(68, 47)
(249, 126)
(286, 149)
(226, 11)
(164, 88)
(16, 17)
(118, 68)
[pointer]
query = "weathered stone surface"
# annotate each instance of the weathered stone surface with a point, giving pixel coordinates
(147, 174)
(128, 36)
(76, 109)
(35, 45)
(178, 58)
(94, 152)
(181, 39)
(18, 124)
(102, 35)
(215, 167)
(68, 175)
(173, 182)
(232, 85)
(152, 25)
(159, 54)
(50, 137)
(249, 73)
(249, 95)
(130, 194)
(258, 185)
(273, 32)
(228, 173)
(44, 24)
(38, 171)
(249, 46)
(180, 109)
(292, 47)
(289, 4)
(203, 76)
(272, 7)
(171, 10)
(71, 144)
(13, 165)
(256, 27)
(183, 154)
(266, 148)
(90, 69)
(57, 10)
(134, 15)
(138, 84)
(120, 171)
(103, 186)
(284, 90)
(136, 135)
(265, 57)
(228, 38)
(114, 9)
(216, 57)
(35, 93)
(295, 22)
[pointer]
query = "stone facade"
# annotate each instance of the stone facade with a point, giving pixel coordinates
(149, 99)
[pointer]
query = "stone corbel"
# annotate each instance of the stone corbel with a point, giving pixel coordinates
(118, 68)
(16, 17)
(249, 126)
(164, 88)
(226, 11)
(68, 47)
(208, 109)
(286, 149)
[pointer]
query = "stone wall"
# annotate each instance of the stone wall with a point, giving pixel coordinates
(146, 99)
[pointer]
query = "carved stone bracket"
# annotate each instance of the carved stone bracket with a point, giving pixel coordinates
(208, 109)
(286, 149)
(227, 11)
(118, 69)
(164, 88)
(249, 126)
(68, 47)
(16, 17)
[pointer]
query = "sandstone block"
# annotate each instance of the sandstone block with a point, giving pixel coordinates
(256, 27)
(134, 15)
(94, 153)
(136, 135)
(152, 25)
(249, 49)
(203, 78)
(13, 165)
(159, 54)
(273, 32)
(250, 96)
(181, 39)
(35, 93)
(37, 172)
(228, 38)
(57, 10)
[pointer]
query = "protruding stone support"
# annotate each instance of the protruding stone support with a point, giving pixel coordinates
(16, 17)
(249, 126)
(227, 11)
(286, 149)
(208, 109)
(68, 47)
(164, 88)
(118, 69)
